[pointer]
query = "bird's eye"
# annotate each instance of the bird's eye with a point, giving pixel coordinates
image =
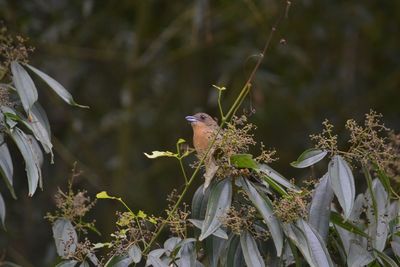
(202, 117)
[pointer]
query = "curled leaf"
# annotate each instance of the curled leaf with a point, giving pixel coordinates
(157, 154)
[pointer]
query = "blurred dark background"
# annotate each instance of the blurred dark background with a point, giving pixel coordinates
(143, 65)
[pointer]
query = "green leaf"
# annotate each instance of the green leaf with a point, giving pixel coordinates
(338, 220)
(298, 238)
(2, 211)
(69, 263)
(157, 154)
(154, 258)
(396, 248)
(199, 203)
(104, 195)
(218, 233)
(218, 204)
(320, 208)
(65, 237)
(234, 254)
(84, 264)
(358, 256)
(244, 161)
(309, 157)
(135, 253)
(316, 245)
(39, 125)
(32, 157)
(213, 249)
(188, 255)
(250, 250)
(118, 261)
(6, 166)
(385, 259)
(277, 177)
(264, 206)
(274, 185)
(56, 86)
(25, 87)
(342, 182)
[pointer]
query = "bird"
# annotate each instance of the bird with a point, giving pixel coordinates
(204, 129)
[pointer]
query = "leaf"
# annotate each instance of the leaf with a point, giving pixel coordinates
(135, 253)
(104, 195)
(277, 177)
(274, 185)
(118, 261)
(218, 233)
(396, 248)
(157, 154)
(171, 243)
(39, 126)
(154, 258)
(320, 208)
(2, 211)
(188, 255)
(250, 250)
(56, 86)
(25, 87)
(309, 157)
(28, 149)
(264, 206)
(338, 220)
(358, 256)
(6, 166)
(199, 203)
(234, 254)
(69, 263)
(298, 238)
(218, 204)
(342, 182)
(317, 246)
(213, 248)
(243, 161)
(84, 264)
(65, 237)
(385, 259)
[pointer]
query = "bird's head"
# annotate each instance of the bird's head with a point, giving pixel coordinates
(201, 120)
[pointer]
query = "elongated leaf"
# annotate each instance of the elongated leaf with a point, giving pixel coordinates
(274, 185)
(199, 203)
(118, 261)
(38, 124)
(342, 182)
(65, 237)
(298, 238)
(214, 247)
(56, 86)
(317, 246)
(84, 264)
(135, 253)
(309, 157)
(385, 259)
(338, 220)
(154, 258)
(187, 255)
(28, 149)
(358, 256)
(218, 204)
(320, 209)
(250, 250)
(25, 87)
(2, 211)
(234, 254)
(379, 229)
(277, 177)
(69, 263)
(218, 233)
(6, 166)
(243, 161)
(396, 248)
(264, 206)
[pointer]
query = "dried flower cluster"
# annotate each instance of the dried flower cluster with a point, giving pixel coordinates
(368, 143)
(12, 48)
(293, 206)
(242, 217)
(177, 220)
(237, 138)
(132, 229)
(73, 206)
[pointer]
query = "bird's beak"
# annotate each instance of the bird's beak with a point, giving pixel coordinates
(191, 119)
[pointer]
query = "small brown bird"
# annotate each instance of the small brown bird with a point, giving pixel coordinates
(204, 128)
